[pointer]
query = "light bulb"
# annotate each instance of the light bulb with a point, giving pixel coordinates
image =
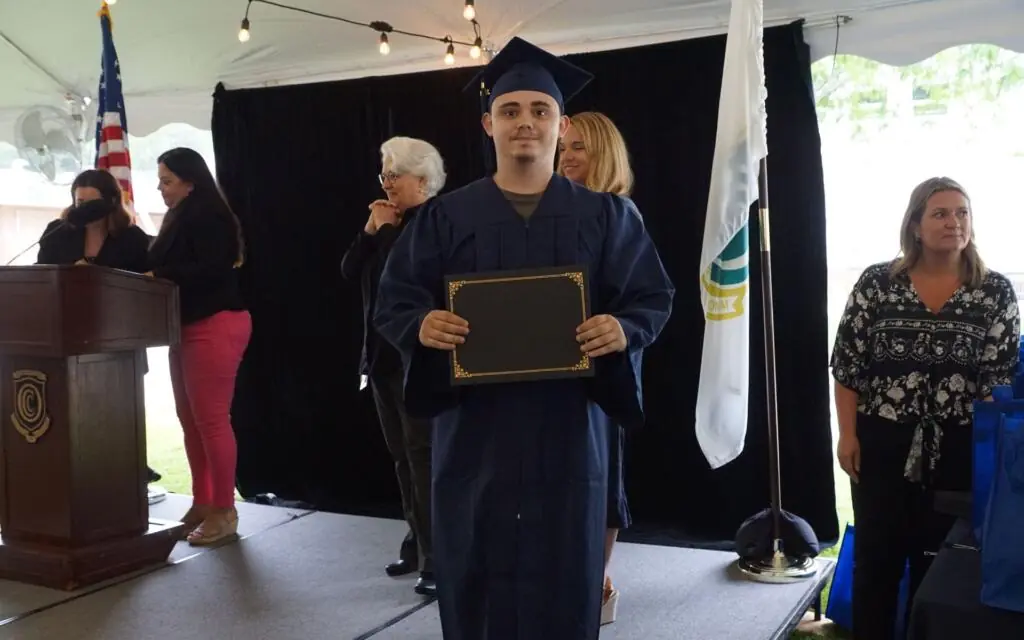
(474, 52)
(385, 48)
(111, 2)
(449, 56)
(470, 11)
(243, 33)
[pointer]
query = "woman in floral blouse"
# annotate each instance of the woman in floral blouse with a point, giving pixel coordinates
(921, 339)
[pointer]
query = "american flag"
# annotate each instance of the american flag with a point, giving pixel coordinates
(111, 122)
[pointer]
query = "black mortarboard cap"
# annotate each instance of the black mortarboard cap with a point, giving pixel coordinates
(521, 66)
(755, 538)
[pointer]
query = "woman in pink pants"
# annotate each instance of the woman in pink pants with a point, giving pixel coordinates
(200, 248)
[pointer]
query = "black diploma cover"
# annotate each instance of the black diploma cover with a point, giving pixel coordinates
(522, 325)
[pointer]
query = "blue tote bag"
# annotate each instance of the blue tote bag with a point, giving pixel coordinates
(1002, 554)
(840, 595)
(987, 418)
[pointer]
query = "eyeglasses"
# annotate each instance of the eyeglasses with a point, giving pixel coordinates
(389, 176)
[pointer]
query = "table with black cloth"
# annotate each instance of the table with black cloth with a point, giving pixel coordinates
(948, 602)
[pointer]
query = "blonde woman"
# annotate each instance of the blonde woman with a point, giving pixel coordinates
(593, 153)
(921, 339)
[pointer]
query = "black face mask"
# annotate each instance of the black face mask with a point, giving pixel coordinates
(90, 211)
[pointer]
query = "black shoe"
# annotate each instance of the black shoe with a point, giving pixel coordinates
(400, 568)
(426, 586)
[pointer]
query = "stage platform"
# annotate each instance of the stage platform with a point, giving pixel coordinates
(313, 575)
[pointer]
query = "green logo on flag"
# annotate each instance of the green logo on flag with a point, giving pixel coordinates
(725, 282)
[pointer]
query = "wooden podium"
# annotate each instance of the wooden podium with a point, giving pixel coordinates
(73, 476)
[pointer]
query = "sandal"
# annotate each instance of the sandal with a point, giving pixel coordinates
(218, 526)
(193, 518)
(610, 604)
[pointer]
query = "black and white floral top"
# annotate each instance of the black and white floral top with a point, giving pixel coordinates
(911, 365)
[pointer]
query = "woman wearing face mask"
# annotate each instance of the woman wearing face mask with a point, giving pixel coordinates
(593, 153)
(96, 229)
(412, 173)
(200, 248)
(921, 339)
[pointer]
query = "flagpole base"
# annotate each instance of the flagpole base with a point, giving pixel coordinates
(779, 569)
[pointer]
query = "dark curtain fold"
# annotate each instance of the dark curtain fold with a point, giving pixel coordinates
(299, 164)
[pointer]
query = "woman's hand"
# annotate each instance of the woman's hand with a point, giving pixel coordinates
(382, 212)
(848, 453)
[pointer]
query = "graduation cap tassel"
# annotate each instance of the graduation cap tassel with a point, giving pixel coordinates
(490, 162)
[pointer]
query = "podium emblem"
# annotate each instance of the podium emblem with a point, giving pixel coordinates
(30, 415)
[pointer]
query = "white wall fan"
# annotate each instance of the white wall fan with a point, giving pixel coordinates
(51, 140)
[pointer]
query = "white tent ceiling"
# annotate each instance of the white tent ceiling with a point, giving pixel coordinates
(173, 53)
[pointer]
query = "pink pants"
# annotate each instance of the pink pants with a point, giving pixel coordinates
(203, 369)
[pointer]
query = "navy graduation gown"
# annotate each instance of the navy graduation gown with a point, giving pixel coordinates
(520, 470)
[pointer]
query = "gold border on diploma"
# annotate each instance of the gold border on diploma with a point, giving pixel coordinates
(576, 276)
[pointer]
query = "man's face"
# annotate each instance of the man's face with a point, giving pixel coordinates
(525, 126)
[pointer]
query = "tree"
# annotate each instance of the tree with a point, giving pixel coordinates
(866, 95)
(975, 74)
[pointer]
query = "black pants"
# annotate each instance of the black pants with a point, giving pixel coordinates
(408, 441)
(894, 519)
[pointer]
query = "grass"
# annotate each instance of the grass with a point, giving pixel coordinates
(164, 443)
(167, 457)
(167, 454)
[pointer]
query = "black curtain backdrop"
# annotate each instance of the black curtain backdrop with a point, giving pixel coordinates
(299, 165)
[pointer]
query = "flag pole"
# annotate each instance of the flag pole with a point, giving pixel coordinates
(767, 310)
(779, 567)
(738, 168)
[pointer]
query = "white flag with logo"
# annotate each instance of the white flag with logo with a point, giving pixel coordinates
(741, 143)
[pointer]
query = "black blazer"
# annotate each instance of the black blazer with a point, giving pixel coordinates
(197, 250)
(364, 261)
(126, 250)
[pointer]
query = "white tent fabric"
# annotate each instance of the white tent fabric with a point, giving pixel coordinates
(173, 53)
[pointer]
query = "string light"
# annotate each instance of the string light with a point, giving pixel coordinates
(243, 32)
(383, 28)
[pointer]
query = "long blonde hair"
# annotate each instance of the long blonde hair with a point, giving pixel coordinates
(609, 159)
(972, 268)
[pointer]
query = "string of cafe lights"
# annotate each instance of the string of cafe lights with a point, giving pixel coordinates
(383, 29)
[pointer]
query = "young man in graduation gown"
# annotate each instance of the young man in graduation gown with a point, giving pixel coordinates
(520, 469)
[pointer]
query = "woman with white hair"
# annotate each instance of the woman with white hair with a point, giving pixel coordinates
(412, 173)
